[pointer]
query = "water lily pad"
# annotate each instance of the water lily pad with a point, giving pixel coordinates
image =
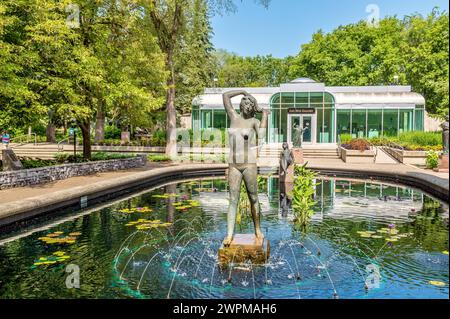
(437, 283)
(75, 234)
(445, 252)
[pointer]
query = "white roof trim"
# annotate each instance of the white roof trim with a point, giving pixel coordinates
(364, 96)
(379, 98)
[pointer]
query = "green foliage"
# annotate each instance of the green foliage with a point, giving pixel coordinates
(158, 138)
(345, 138)
(415, 49)
(102, 156)
(259, 71)
(158, 158)
(64, 157)
(413, 141)
(303, 195)
(29, 163)
(432, 159)
(243, 214)
(112, 132)
(421, 138)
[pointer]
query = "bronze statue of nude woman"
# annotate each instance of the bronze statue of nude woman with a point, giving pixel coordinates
(246, 133)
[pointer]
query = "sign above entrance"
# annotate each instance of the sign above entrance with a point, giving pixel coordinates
(302, 111)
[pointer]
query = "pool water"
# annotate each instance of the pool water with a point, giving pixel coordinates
(365, 240)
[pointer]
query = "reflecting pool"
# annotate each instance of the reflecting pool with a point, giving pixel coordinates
(365, 240)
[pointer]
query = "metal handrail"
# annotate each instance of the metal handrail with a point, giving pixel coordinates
(395, 145)
(60, 143)
(25, 135)
(375, 149)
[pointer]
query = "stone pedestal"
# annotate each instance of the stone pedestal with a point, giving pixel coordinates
(10, 161)
(443, 164)
(244, 248)
(125, 137)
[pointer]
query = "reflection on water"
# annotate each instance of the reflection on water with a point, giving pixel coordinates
(366, 240)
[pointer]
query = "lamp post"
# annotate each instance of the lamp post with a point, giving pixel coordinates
(73, 133)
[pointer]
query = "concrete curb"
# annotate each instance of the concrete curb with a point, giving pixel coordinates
(84, 196)
(429, 184)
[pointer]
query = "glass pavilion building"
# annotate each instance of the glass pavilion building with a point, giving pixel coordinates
(368, 111)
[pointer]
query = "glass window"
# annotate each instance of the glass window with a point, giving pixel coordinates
(302, 98)
(390, 122)
(316, 98)
(319, 125)
(275, 99)
(206, 119)
(328, 127)
(374, 123)
(359, 123)
(274, 127)
(220, 119)
(328, 98)
(287, 98)
(283, 125)
(343, 122)
(419, 119)
(195, 119)
(406, 121)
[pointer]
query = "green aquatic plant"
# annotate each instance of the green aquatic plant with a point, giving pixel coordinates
(243, 212)
(432, 159)
(303, 195)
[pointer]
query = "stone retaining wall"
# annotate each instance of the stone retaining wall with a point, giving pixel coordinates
(52, 173)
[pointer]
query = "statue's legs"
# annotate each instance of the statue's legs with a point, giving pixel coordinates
(251, 183)
(234, 182)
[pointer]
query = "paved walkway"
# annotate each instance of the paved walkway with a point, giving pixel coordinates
(21, 193)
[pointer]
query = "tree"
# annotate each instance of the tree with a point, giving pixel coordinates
(17, 101)
(259, 71)
(195, 65)
(415, 49)
(171, 22)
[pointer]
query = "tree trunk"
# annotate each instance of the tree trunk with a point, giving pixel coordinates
(51, 133)
(86, 132)
(171, 117)
(100, 125)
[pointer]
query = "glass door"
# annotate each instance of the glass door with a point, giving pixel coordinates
(301, 130)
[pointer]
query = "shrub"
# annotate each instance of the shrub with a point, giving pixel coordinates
(432, 159)
(423, 139)
(158, 138)
(102, 156)
(29, 163)
(345, 138)
(381, 141)
(62, 157)
(112, 132)
(303, 195)
(357, 144)
(158, 158)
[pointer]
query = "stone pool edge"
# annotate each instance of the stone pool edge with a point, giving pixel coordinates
(83, 196)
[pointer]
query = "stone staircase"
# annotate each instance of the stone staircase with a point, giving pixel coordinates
(269, 152)
(45, 151)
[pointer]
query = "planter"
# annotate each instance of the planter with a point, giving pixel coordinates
(408, 157)
(358, 157)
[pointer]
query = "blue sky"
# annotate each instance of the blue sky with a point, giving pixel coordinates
(286, 24)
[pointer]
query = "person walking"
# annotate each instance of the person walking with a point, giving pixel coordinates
(6, 138)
